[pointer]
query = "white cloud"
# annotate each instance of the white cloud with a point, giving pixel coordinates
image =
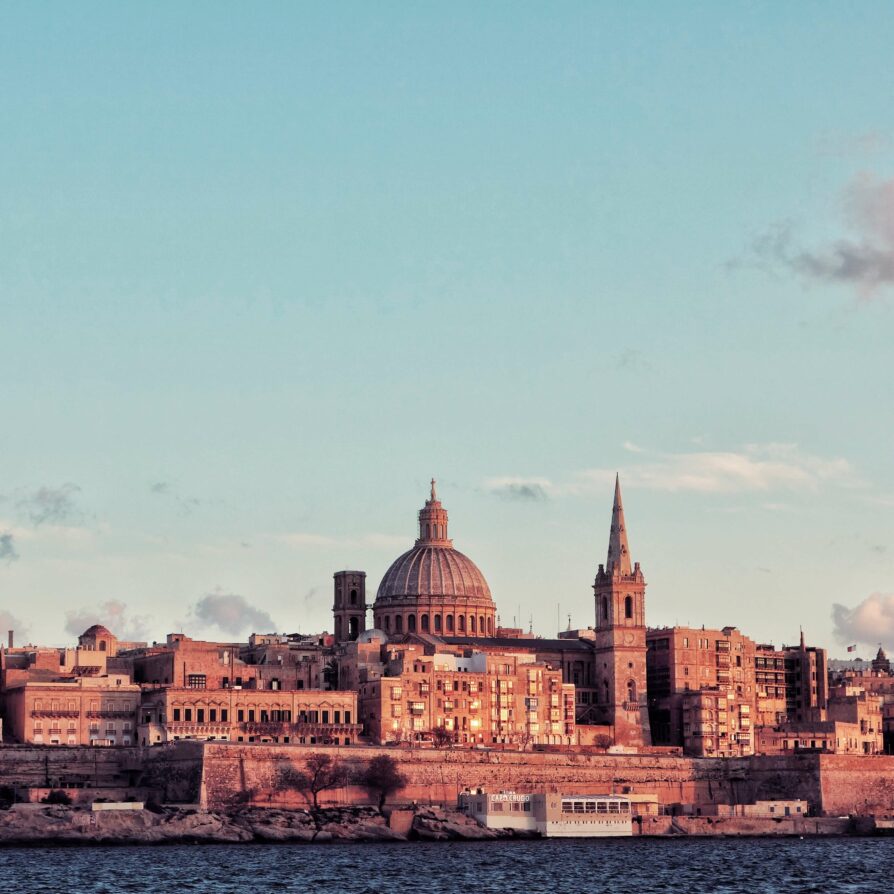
(870, 622)
(756, 467)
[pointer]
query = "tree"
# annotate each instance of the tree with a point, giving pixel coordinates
(320, 774)
(383, 777)
(57, 796)
(441, 737)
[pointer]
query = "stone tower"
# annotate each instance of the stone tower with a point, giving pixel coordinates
(349, 606)
(620, 591)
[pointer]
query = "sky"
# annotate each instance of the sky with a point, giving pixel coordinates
(265, 269)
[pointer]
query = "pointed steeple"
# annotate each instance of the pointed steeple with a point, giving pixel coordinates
(618, 551)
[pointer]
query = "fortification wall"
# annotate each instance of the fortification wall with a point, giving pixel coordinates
(233, 772)
(857, 784)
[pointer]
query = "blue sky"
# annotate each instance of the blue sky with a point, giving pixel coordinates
(265, 269)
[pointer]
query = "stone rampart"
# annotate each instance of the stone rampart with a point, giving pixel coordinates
(234, 773)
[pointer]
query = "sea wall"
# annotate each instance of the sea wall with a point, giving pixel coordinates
(219, 775)
(233, 773)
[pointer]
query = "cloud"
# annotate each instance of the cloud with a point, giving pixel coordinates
(864, 260)
(232, 614)
(53, 505)
(9, 621)
(8, 551)
(185, 505)
(525, 490)
(870, 622)
(840, 145)
(112, 614)
(756, 467)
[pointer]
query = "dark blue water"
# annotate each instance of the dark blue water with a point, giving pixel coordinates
(630, 866)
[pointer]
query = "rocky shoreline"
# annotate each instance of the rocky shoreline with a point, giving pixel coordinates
(53, 825)
(41, 825)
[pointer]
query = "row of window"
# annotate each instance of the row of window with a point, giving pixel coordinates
(252, 715)
(481, 624)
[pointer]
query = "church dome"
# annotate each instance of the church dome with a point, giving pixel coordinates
(427, 570)
(97, 630)
(434, 587)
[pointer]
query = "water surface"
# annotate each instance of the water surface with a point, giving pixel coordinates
(625, 866)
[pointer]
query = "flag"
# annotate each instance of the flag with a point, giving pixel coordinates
(852, 648)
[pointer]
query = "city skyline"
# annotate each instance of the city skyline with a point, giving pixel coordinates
(262, 277)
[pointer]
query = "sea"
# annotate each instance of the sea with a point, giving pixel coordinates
(619, 866)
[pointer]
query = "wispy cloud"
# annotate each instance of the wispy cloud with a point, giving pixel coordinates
(842, 145)
(113, 614)
(49, 505)
(870, 621)
(864, 260)
(9, 621)
(232, 614)
(757, 468)
(185, 505)
(8, 552)
(525, 490)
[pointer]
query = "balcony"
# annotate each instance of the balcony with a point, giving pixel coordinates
(111, 713)
(48, 712)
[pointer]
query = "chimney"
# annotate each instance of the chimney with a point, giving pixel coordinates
(11, 638)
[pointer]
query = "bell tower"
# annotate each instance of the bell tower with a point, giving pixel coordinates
(349, 605)
(620, 591)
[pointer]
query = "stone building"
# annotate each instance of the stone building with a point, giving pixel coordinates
(349, 605)
(766, 686)
(85, 710)
(470, 699)
(266, 662)
(297, 716)
(433, 587)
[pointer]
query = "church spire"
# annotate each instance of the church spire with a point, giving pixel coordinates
(618, 551)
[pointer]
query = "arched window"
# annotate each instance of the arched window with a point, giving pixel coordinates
(353, 597)
(448, 620)
(437, 623)
(605, 608)
(427, 531)
(461, 621)
(481, 627)
(387, 620)
(102, 645)
(424, 620)
(338, 628)
(631, 691)
(490, 626)
(353, 628)
(398, 623)
(411, 623)
(471, 623)
(628, 606)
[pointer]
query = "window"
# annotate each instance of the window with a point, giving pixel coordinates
(212, 715)
(200, 715)
(628, 606)
(605, 608)
(196, 681)
(187, 714)
(224, 714)
(176, 714)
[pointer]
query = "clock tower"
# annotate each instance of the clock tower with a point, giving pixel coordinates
(620, 657)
